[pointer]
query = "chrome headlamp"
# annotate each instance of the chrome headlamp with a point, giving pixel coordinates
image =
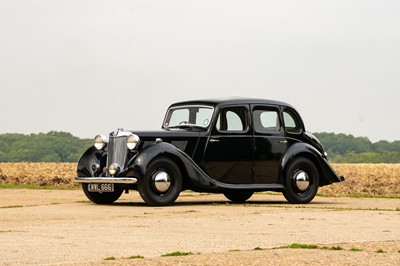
(114, 169)
(132, 141)
(100, 142)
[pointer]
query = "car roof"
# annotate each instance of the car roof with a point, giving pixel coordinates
(232, 100)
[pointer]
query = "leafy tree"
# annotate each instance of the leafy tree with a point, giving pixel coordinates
(51, 147)
(343, 148)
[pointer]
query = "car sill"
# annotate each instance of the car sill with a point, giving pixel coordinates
(111, 180)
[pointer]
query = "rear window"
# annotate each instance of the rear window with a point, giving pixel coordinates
(291, 122)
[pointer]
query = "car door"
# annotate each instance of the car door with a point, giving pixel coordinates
(270, 143)
(229, 152)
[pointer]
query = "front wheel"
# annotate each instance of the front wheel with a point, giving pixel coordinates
(301, 181)
(104, 197)
(162, 183)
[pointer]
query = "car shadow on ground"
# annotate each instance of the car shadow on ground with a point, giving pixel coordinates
(274, 203)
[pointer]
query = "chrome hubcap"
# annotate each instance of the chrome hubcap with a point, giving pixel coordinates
(162, 181)
(301, 180)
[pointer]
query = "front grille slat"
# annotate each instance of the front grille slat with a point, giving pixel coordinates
(117, 151)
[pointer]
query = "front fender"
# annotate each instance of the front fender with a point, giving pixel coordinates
(188, 167)
(88, 158)
(326, 172)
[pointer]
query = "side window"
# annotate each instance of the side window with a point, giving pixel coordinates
(233, 119)
(266, 121)
(291, 122)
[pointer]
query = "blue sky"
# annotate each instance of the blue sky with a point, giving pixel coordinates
(89, 67)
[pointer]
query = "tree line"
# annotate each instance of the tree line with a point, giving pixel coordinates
(63, 147)
(342, 148)
(50, 147)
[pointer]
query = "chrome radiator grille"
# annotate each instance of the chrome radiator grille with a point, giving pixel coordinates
(117, 151)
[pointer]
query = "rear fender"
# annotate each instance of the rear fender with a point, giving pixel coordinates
(326, 173)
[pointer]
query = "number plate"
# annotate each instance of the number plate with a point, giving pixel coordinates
(101, 187)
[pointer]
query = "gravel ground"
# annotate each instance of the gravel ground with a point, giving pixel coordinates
(56, 227)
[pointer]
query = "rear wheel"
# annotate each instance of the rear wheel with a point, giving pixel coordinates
(162, 183)
(238, 196)
(301, 181)
(104, 197)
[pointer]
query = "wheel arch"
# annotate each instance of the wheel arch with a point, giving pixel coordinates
(186, 183)
(192, 175)
(90, 156)
(301, 150)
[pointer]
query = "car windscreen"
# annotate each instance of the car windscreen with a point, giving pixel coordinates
(188, 116)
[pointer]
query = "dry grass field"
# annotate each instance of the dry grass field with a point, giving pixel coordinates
(365, 180)
(41, 174)
(361, 179)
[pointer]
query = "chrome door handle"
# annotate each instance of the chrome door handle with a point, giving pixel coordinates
(283, 141)
(214, 140)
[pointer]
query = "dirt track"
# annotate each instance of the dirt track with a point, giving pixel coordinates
(61, 227)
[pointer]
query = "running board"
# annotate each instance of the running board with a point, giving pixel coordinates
(254, 187)
(109, 180)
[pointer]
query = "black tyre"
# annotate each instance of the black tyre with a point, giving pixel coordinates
(301, 181)
(102, 198)
(238, 196)
(162, 183)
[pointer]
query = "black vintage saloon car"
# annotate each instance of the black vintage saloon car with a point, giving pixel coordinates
(231, 146)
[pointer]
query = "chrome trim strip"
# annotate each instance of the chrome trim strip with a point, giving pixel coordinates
(112, 180)
(121, 133)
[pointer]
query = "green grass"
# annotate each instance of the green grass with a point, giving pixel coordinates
(332, 248)
(373, 196)
(380, 251)
(82, 201)
(302, 246)
(311, 246)
(33, 186)
(177, 254)
(254, 249)
(221, 204)
(128, 258)
(11, 206)
(360, 195)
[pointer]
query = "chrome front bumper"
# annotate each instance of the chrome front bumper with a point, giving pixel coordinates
(110, 180)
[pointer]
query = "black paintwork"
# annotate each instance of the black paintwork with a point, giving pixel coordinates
(214, 161)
